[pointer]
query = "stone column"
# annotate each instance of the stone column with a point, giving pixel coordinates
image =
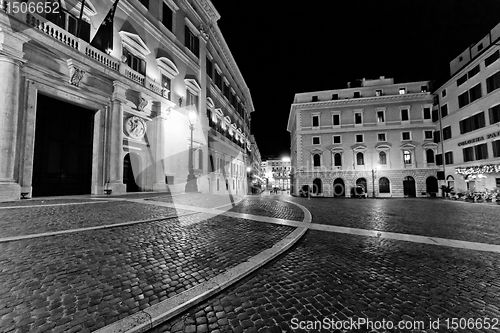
(159, 148)
(11, 58)
(115, 141)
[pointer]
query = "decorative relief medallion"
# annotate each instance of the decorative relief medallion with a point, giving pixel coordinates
(75, 75)
(135, 127)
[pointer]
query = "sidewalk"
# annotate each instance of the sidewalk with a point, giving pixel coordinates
(81, 264)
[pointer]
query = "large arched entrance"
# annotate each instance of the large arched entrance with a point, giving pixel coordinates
(362, 182)
(317, 187)
(62, 163)
(338, 188)
(131, 167)
(409, 189)
(431, 185)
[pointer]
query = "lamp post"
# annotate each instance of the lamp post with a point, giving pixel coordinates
(191, 184)
(374, 172)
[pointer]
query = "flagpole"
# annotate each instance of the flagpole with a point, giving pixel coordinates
(80, 20)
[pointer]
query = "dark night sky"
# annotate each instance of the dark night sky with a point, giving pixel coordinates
(287, 47)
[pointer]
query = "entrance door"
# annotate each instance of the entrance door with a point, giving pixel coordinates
(431, 185)
(62, 162)
(338, 188)
(131, 166)
(317, 186)
(409, 187)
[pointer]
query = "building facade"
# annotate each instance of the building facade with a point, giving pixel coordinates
(77, 118)
(277, 173)
(376, 134)
(468, 106)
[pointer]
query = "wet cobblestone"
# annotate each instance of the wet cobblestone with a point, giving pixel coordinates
(426, 217)
(205, 200)
(33, 220)
(269, 207)
(86, 280)
(340, 277)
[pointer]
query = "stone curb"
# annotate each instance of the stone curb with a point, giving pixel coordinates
(173, 306)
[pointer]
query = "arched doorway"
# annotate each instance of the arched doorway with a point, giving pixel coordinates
(317, 186)
(431, 185)
(409, 189)
(362, 182)
(384, 185)
(338, 188)
(131, 166)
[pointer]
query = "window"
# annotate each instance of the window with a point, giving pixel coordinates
(402, 91)
(493, 82)
(437, 136)
(475, 92)
(69, 22)
(359, 137)
(336, 120)
(472, 123)
(315, 121)
(481, 151)
(448, 157)
(337, 139)
(406, 157)
(463, 99)
(384, 185)
(492, 58)
(423, 89)
(360, 159)
(378, 92)
(468, 154)
(462, 80)
(167, 17)
(406, 135)
(314, 99)
(335, 97)
(226, 91)
(210, 68)
(381, 137)
(358, 118)
(443, 93)
(428, 135)
(447, 133)
(429, 154)
(317, 160)
(166, 83)
(218, 79)
(134, 62)
(145, 3)
(191, 99)
(357, 94)
(191, 41)
(316, 140)
(496, 148)
(473, 71)
(427, 113)
(435, 115)
(494, 114)
(439, 159)
(444, 110)
(382, 157)
(405, 115)
(381, 116)
(337, 159)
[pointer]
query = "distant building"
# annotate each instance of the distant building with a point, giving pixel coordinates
(376, 134)
(469, 105)
(277, 172)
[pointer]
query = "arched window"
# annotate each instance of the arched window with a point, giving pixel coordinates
(337, 159)
(382, 157)
(360, 159)
(429, 153)
(451, 181)
(384, 185)
(407, 157)
(317, 160)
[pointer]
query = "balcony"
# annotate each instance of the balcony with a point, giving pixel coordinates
(41, 25)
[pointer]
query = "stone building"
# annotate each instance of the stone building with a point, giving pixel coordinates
(277, 171)
(469, 113)
(376, 135)
(79, 117)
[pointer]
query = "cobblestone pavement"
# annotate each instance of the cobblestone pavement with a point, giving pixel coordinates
(204, 200)
(473, 222)
(338, 277)
(267, 206)
(33, 220)
(85, 280)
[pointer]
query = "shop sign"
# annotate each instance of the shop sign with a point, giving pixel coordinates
(480, 138)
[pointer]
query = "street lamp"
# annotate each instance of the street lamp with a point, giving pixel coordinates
(374, 173)
(191, 184)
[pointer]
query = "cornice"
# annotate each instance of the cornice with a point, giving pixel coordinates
(364, 101)
(209, 10)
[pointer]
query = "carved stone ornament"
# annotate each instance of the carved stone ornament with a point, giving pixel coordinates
(75, 75)
(142, 104)
(135, 127)
(203, 32)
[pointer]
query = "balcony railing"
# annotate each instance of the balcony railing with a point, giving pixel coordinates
(53, 31)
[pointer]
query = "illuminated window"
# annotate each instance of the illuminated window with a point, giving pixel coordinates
(407, 157)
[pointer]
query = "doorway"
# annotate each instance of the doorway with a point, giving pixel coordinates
(338, 188)
(62, 163)
(131, 167)
(409, 189)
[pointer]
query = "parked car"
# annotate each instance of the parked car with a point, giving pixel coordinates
(358, 191)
